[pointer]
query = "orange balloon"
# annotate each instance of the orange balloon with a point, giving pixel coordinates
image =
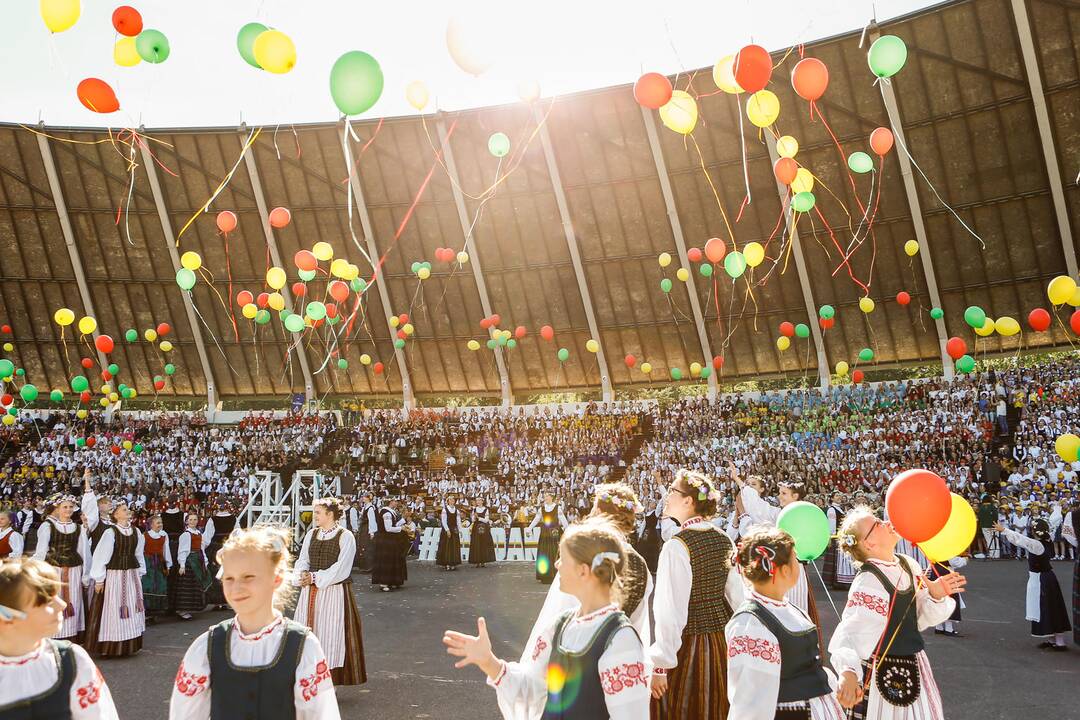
(810, 78)
(881, 141)
(715, 250)
(785, 170)
(96, 95)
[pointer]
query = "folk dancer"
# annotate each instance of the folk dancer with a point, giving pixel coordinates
(117, 614)
(11, 541)
(1070, 532)
(838, 571)
(551, 520)
(369, 523)
(391, 543)
(481, 544)
(65, 546)
(217, 530)
(193, 578)
(448, 555)
(158, 561)
(1045, 605)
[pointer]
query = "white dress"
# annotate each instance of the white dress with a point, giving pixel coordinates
(30, 675)
(77, 577)
(762, 513)
(329, 621)
(313, 690)
(123, 588)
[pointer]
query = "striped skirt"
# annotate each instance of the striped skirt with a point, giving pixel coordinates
(71, 592)
(927, 705)
(697, 687)
(117, 616)
(333, 617)
(191, 587)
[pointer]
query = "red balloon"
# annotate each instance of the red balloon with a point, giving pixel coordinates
(715, 250)
(857, 376)
(652, 90)
(918, 504)
(694, 254)
(402, 335)
(810, 77)
(6, 400)
(91, 441)
(115, 449)
(787, 329)
(104, 343)
(84, 396)
(378, 368)
(1074, 322)
(6, 329)
(280, 217)
(163, 329)
(159, 385)
(127, 21)
(263, 299)
(299, 289)
(881, 141)
(339, 291)
(785, 169)
(630, 361)
(903, 298)
(244, 297)
(718, 362)
(403, 318)
(547, 332)
(106, 375)
(826, 323)
(519, 332)
(1039, 320)
(226, 221)
(331, 312)
(87, 363)
(753, 68)
(485, 323)
(957, 348)
(304, 260)
(495, 320)
(96, 95)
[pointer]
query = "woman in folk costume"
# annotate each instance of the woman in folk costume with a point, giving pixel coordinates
(391, 543)
(877, 649)
(588, 663)
(774, 662)
(158, 562)
(838, 571)
(11, 542)
(551, 520)
(1071, 533)
(692, 602)
(192, 575)
(481, 544)
(40, 677)
(1045, 606)
(65, 546)
(327, 606)
(448, 555)
(258, 664)
(216, 532)
(117, 616)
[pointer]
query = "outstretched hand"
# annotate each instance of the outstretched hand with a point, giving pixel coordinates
(946, 585)
(473, 649)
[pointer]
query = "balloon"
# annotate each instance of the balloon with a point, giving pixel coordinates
(249, 311)
(676, 374)
(79, 383)
(860, 162)
(974, 316)
(519, 332)
(754, 253)
(956, 348)
(275, 278)
(356, 83)
(787, 329)
(64, 317)
(752, 68)
(706, 372)
(150, 335)
(1074, 322)
(276, 301)
(787, 147)
(339, 291)
(695, 369)
(966, 364)
(125, 53)
(842, 368)
(59, 15)
(492, 344)
(463, 257)
(652, 90)
(680, 113)
(857, 376)
(903, 298)
(956, 536)
(29, 393)
(887, 55)
(683, 274)
(705, 270)
(785, 170)
(473, 345)
(423, 273)
(735, 264)
(987, 328)
(378, 368)
(127, 21)
(104, 343)
(866, 355)
(96, 95)
(498, 144)
(826, 311)
(783, 343)
(715, 249)
(881, 141)
(803, 182)
(245, 42)
(563, 354)
(866, 305)
(131, 335)
(322, 251)
(166, 346)
(528, 90)
(468, 38)
(87, 325)
(357, 285)
(911, 247)
(724, 75)
(802, 330)
(808, 526)
(57, 396)
(646, 367)
(416, 94)
(1061, 289)
(763, 108)
(547, 332)
(664, 259)
(937, 313)
(408, 328)
(316, 310)
(275, 52)
(191, 260)
(365, 359)
(1075, 299)
(1007, 326)
(630, 361)
(170, 369)
(918, 504)
(694, 254)
(1067, 447)
(164, 329)
(226, 221)
(153, 46)
(6, 368)
(803, 202)
(294, 323)
(592, 346)
(809, 78)
(280, 217)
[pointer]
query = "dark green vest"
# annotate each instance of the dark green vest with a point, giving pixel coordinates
(54, 703)
(902, 637)
(801, 675)
(254, 693)
(582, 695)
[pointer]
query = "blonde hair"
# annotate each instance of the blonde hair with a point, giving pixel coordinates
(585, 541)
(617, 503)
(20, 576)
(271, 541)
(848, 538)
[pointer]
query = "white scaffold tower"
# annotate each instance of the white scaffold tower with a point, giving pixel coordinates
(270, 502)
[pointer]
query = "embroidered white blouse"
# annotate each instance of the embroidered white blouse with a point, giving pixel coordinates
(184, 548)
(313, 690)
(522, 687)
(32, 674)
(15, 540)
(44, 533)
(339, 571)
(103, 553)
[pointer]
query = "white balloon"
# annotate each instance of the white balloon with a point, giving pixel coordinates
(472, 40)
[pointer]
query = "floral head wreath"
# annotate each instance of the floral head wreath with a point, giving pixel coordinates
(702, 486)
(625, 503)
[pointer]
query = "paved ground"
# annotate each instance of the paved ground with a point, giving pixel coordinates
(993, 672)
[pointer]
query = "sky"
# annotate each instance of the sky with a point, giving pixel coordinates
(562, 45)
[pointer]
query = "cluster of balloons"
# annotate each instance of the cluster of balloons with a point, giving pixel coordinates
(266, 49)
(447, 255)
(922, 510)
(788, 172)
(404, 329)
(421, 269)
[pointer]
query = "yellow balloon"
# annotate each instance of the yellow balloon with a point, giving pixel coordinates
(275, 52)
(754, 254)
(351, 272)
(322, 251)
(695, 369)
(592, 346)
(408, 328)
(528, 90)
(1061, 289)
(664, 259)
(8, 347)
(339, 268)
(64, 317)
(81, 414)
(191, 260)
(987, 328)
(1068, 447)
(250, 311)
(106, 389)
(471, 42)
(911, 247)
(365, 359)
(723, 74)
(680, 112)
(763, 108)
(783, 343)
(683, 274)
(8, 419)
(1007, 326)
(150, 334)
(59, 15)
(416, 93)
(1075, 299)
(866, 305)
(275, 278)
(87, 325)
(803, 182)
(394, 322)
(463, 257)
(165, 346)
(787, 146)
(276, 301)
(127, 444)
(113, 397)
(957, 534)
(646, 367)
(841, 368)
(423, 273)
(473, 345)
(125, 54)
(104, 402)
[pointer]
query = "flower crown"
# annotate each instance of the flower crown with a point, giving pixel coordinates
(627, 504)
(702, 486)
(847, 540)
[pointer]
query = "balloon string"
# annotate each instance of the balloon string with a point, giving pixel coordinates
(716, 195)
(742, 147)
(832, 236)
(252, 137)
(228, 269)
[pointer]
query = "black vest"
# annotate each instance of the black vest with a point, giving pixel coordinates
(801, 675)
(451, 518)
(123, 554)
(63, 548)
(902, 637)
(173, 522)
(582, 694)
(255, 693)
(97, 533)
(54, 703)
(223, 527)
(385, 523)
(1040, 563)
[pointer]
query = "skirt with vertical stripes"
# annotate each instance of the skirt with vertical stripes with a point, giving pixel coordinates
(191, 587)
(697, 687)
(927, 705)
(117, 616)
(71, 592)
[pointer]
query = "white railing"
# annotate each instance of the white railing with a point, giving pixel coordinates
(270, 502)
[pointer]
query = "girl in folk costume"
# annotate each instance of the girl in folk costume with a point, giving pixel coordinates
(937, 570)
(257, 664)
(117, 615)
(481, 544)
(391, 543)
(39, 677)
(838, 571)
(774, 661)
(65, 546)
(1045, 606)
(588, 663)
(11, 542)
(217, 530)
(158, 562)
(552, 521)
(449, 553)
(692, 601)
(327, 605)
(193, 577)
(878, 643)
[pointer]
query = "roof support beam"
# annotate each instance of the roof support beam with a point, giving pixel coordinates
(888, 97)
(408, 397)
(170, 242)
(474, 255)
(69, 234)
(804, 277)
(575, 252)
(680, 241)
(275, 255)
(1046, 135)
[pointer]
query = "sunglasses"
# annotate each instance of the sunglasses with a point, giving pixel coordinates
(9, 614)
(872, 527)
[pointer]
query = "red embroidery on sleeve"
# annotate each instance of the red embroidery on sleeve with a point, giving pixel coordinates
(539, 648)
(755, 647)
(870, 602)
(190, 684)
(310, 684)
(90, 693)
(622, 677)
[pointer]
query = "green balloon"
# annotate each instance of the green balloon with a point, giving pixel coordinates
(511, 344)
(79, 383)
(735, 264)
(887, 55)
(501, 340)
(399, 343)
(122, 387)
(185, 279)
(306, 275)
(138, 448)
(676, 374)
(245, 42)
(294, 323)
(29, 393)
(492, 344)
(706, 371)
(7, 368)
(316, 310)
(170, 369)
(705, 269)
(966, 364)
(57, 396)
(938, 313)
(826, 312)
(342, 364)
(975, 316)
(127, 392)
(426, 265)
(498, 144)
(333, 320)
(415, 266)
(80, 442)
(358, 284)
(356, 82)
(860, 162)
(262, 317)
(114, 369)
(152, 46)
(132, 335)
(665, 285)
(564, 354)
(866, 355)
(808, 525)
(802, 330)
(803, 202)
(20, 372)
(13, 411)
